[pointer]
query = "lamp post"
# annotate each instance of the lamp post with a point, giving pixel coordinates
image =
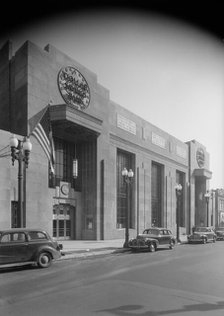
(20, 150)
(178, 189)
(207, 197)
(212, 216)
(127, 176)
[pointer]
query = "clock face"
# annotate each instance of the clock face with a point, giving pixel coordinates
(74, 88)
(65, 189)
(200, 157)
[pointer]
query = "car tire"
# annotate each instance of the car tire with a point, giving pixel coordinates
(214, 239)
(152, 247)
(204, 241)
(171, 246)
(44, 260)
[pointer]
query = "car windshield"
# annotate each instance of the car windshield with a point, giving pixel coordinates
(202, 229)
(151, 231)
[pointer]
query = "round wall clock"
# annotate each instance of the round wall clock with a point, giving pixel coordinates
(65, 189)
(74, 88)
(200, 157)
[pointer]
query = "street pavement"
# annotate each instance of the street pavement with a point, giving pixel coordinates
(73, 249)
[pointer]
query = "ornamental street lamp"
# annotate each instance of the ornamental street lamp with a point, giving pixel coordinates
(20, 150)
(128, 177)
(178, 189)
(207, 197)
(212, 216)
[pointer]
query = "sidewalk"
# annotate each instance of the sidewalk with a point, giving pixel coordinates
(85, 248)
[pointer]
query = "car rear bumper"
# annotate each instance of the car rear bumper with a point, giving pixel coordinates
(196, 239)
(139, 247)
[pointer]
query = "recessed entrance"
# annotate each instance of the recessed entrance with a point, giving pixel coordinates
(62, 221)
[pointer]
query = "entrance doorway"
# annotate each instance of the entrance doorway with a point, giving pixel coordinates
(62, 221)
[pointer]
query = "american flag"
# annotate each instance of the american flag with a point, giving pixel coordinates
(43, 133)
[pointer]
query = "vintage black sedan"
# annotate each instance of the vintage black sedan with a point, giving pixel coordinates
(21, 246)
(153, 238)
(219, 233)
(202, 235)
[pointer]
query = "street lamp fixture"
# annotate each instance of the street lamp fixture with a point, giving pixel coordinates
(128, 177)
(20, 150)
(212, 198)
(178, 189)
(207, 197)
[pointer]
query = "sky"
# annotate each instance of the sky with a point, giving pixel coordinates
(167, 71)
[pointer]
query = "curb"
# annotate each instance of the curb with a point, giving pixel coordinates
(97, 252)
(90, 253)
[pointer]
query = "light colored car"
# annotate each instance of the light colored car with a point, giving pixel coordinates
(153, 238)
(21, 246)
(220, 233)
(202, 235)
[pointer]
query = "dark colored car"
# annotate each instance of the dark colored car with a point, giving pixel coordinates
(152, 239)
(219, 233)
(202, 235)
(20, 246)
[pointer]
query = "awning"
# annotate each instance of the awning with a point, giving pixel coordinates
(203, 173)
(78, 124)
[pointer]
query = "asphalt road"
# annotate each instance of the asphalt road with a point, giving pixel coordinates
(188, 280)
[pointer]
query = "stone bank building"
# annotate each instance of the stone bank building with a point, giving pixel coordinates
(94, 140)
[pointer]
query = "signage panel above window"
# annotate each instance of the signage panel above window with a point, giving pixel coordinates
(158, 140)
(126, 124)
(181, 152)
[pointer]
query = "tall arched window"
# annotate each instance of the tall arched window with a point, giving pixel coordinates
(156, 195)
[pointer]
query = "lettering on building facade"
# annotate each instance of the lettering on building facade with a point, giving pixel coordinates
(126, 124)
(158, 140)
(181, 152)
(200, 157)
(74, 88)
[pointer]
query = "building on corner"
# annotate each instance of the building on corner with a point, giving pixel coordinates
(94, 139)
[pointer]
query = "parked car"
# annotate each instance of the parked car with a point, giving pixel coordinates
(202, 235)
(21, 246)
(153, 238)
(219, 233)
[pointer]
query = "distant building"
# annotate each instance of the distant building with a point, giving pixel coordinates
(94, 139)
(218, 206)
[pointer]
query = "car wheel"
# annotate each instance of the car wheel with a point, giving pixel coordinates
(44, 260)
(152, 247)
(171, 246)
(214, 239)
(204, 241)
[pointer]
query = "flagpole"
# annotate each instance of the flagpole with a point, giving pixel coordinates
(31, 128)
(41, 129)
